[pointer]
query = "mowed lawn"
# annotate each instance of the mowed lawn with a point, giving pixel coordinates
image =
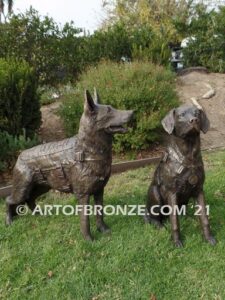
(46, 257)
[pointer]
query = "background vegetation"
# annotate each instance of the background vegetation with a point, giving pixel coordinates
(134, 29)
(20, 115)
(144, 87)
(19, 98)
(207, 47)
(11, 146)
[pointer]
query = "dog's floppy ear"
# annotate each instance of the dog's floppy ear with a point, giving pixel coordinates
(89, 105)
(204, 122)
(96, 97)
(168, 122)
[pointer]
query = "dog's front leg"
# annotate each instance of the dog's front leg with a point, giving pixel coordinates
(84, 217)
(204, 219)
(172, 200)
(101, 226)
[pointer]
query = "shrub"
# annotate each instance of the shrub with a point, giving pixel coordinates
(71, 111)
(53, 52)
(19, 99)
(144, 87)
(207, 47)
(10, 147)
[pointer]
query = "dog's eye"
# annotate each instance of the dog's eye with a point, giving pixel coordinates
(182, 114)
(196, 113)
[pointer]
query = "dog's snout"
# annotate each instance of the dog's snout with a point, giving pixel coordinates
(128, 116)
(194, 120)
(131, 113)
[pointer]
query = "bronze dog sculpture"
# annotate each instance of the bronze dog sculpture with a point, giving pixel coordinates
(79, 165)
(180, 174)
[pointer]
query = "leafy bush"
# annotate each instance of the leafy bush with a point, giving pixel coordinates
(61, 54)
(155, 49)
(71, 111)
(50, 50)
(19, 100)
(144, 87)
(207, 47)
(10, 147)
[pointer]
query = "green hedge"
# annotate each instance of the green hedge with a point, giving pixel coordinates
(147, 88)
(10, 147)
(207, 46)
(19, 99)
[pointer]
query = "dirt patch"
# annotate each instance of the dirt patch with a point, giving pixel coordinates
(195, 85)
(52, 126)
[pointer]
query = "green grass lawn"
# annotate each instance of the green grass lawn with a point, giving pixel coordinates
(46, 258)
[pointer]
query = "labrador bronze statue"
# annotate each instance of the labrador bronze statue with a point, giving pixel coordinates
(180, 174)
(79, 165)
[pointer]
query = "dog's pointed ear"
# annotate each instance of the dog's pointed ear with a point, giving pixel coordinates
(168, 122)
(89, 105)
(204, 122)
(96, 97)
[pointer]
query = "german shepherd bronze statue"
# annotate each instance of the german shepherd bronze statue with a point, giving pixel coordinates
(79, 165)
(180, 174)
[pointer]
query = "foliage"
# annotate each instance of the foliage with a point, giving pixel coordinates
(19, 100)
(134, 29)
(45, 257)
(132, 43)
(51, 51)
(110, 44)
(144, 87)
(71, 111)
(161, 15)
(148, 45)
(10, 147)
(49, 94)
(154, 25)
(61, 54)
(207, 47)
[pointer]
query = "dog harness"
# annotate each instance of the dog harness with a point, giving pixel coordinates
(176, 155)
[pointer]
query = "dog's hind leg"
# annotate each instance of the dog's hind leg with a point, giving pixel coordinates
(101, 226)
(20, 192)
(153, 205)
(11, 211)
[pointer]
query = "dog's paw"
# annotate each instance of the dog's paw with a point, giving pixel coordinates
(103, 228)
(178, 244)
(154, 222)
(211, 240)
(88, 238)
(159, 225)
